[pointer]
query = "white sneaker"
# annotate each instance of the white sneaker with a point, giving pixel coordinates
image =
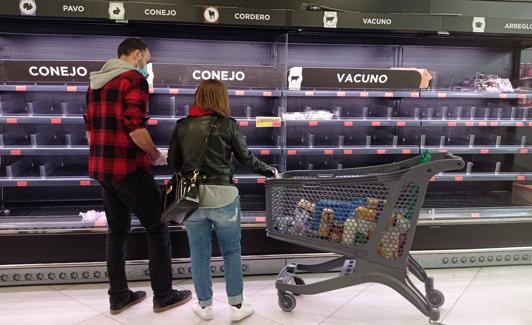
(238, 314)
(203, 313)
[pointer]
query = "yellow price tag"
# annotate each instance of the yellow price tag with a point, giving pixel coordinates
(268, 121)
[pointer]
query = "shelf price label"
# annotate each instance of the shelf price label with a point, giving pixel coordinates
(261, 180)
(153, 122)
(340, 94)
(524, 151)
(71, 89)
(240, 93)
(381, 152)
(313, 123)
(292, 152)
(459, 178)
(521, 178)
(401, 123)
(328, 152)
(85, 182)
(260, 219)
(268, 121)
(265, 152)
(414, 95)
(484, 151)
(388, 94)
(173, 91)
(348, 123)
(22, 184)
(348, 152)
(376, 123)
(243, 123)
(56, 121)
(452, 124)
(470, 124)
(21, 88)
(16, 152)
(267, 94)
(482, 123)
(11, 121)
(407, 151)
(442, 95)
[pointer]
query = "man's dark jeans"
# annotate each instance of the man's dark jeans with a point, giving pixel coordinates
(140, 194)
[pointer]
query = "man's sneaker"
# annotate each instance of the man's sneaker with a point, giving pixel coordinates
(178, 298)
(203, 313)
(238, 314)
(134, 298)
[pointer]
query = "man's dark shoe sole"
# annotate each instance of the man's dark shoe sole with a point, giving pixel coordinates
(132, 303)
(177, 304)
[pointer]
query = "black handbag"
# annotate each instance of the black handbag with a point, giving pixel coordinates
(181, 195)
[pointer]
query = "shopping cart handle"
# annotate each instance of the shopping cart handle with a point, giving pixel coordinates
(444, 162)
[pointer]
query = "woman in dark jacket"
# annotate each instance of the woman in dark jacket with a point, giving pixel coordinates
(219, 198)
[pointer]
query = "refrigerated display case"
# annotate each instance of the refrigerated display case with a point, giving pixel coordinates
(486, 205)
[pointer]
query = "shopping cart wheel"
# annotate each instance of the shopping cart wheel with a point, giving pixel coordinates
(287, 301)
(434, 314)
(298, 281)
(436, 298)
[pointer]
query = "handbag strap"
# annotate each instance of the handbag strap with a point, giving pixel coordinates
(201, 158)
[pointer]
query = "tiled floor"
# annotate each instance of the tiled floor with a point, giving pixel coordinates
(498, 296)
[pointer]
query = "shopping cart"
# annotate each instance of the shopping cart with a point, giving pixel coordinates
(366, 215)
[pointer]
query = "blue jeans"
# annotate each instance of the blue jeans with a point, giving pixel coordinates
(226, 222)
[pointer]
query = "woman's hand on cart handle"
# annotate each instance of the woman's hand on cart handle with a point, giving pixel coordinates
(276, 173)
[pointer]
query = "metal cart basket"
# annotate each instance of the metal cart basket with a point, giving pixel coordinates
(366, 215)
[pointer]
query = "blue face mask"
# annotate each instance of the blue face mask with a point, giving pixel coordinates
(144, 71)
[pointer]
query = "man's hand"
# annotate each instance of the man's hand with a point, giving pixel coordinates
(88, 134)
(142, 139)
(162, 159)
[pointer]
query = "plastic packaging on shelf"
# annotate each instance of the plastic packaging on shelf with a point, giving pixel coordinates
(98, 217)
(309, 115)
(489, 83)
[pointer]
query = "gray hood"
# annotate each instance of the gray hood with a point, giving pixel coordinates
(110, 70)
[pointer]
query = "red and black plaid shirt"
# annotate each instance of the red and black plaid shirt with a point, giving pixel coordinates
(113, 112)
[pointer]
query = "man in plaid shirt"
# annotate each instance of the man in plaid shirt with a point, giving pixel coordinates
(121, 155)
